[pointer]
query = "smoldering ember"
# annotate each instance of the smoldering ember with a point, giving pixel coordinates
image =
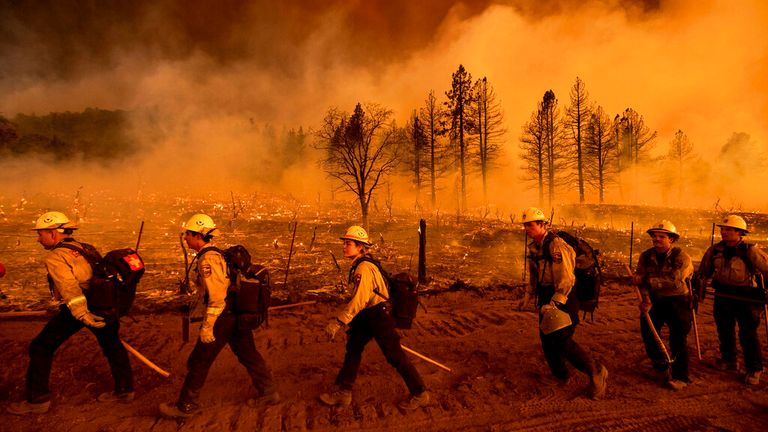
(469, 323)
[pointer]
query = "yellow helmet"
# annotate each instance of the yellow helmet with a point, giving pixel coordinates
(356, 233)
(664, 226)
(734, 221)
(532, 214)
(54, 220)
(200, 223)
(553, 320)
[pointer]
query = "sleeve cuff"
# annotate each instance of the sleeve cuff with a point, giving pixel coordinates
(215, 311)
(78, 306)
(559, 298)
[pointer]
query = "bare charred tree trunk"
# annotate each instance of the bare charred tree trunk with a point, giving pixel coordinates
(600, 152)
(422, 251)
(532, 145)
(458, 105)
(680, 152)
(430, 116)
(490, 119)
(576, 117)
(549, 106)
(418, 140)
(636, 138)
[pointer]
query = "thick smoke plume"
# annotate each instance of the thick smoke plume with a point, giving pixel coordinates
(208, 76)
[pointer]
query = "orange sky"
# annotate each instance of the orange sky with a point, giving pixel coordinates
(699, 66)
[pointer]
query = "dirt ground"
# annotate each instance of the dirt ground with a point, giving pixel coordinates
(498, 382)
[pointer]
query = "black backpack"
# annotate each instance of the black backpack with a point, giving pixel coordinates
(403, 297)
(112, 288)
(249, 283)
(588, 272)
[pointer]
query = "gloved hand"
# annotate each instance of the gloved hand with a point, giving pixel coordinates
(91, 320)
(206, 333)
(523, 303)
(551, 305)
(332, 328)
(645, 306)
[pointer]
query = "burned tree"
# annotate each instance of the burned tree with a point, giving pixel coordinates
(634, 138)
(533, 155)
(679, 155)
(553, 144)
(544, 152)
(599, 152)
(360, 150)
(489, 127)
(576, 117)
(458, 111)
(430, 116)
(418, 147)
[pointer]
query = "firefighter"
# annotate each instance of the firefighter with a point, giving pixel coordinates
(219, 328)
(551, 280)
(369, 317)
(663, 275)
(69, 274)
(735, 270)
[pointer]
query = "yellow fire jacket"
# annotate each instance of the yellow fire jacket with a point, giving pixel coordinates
(212, 277)
(727, 266)
(365, 279)
(69, 276)
(665, 278)
(559, 272)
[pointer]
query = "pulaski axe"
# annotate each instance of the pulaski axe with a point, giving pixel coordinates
(669, 360)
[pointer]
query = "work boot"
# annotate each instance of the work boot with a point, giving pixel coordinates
(341, 398)
(116, 397)
(24, 408)
(178, 411)
(272, 398)
(675, 384)
(414, 401)
(598, 384)
(753, 378)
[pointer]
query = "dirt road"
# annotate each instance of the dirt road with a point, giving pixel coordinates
(499, 380)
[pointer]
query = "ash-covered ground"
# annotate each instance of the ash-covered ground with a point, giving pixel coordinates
(498, 381)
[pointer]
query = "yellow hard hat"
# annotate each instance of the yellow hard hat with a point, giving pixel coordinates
(532, 214)
(54, 220)
(734, 221)
(664, 226)
(356, 233)
(553, 320)
(200, 223)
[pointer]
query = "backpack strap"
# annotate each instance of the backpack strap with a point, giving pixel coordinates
(369, 259)
(546, 245)
(87, 251)
(377, 263)
(203, 252)
(742, 251)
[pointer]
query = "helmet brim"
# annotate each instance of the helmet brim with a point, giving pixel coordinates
(667, 232)
(736, 228)
(356, 240)
(69, 226)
